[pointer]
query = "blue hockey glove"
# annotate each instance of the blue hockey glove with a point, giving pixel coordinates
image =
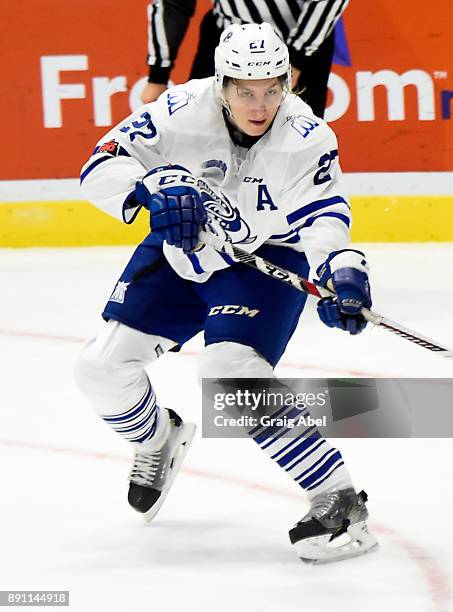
(347, 272)
(173, 200)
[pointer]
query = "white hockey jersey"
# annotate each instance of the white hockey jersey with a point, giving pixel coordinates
(285, 190)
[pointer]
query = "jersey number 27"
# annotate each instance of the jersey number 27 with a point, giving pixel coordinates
(325, 162)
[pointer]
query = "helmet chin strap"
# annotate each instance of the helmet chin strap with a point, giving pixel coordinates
(239, 137)
(225, 104)
(230, 118)
(228, 113)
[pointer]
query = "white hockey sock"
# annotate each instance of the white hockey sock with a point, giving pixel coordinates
(308, 458)
(137, 423)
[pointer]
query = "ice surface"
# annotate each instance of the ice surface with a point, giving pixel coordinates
(220, 542)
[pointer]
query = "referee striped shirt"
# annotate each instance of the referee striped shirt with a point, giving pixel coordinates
(302, 24)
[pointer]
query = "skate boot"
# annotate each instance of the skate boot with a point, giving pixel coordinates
(154, 471)
(334, 528)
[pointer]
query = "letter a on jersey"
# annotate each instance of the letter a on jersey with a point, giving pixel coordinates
(264, 198)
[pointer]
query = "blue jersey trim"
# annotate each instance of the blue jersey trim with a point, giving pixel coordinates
(195, 263)
(292, 237)
(227, 258)
(313, 207)
(285, 236)
(279, 236)
(346, 220)
(93, 166)
(290, 240)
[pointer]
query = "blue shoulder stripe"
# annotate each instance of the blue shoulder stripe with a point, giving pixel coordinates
(119, 151)
(313, 207)
(92, 166)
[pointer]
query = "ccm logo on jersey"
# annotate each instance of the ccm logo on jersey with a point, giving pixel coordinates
(233, 310)
(252, 179)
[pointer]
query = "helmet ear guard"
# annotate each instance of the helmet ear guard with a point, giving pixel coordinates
(251, 52)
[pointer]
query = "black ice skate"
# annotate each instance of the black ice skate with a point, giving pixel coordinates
(153, 472)
(334, 528)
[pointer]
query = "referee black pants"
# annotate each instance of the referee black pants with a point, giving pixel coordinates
(314, 69)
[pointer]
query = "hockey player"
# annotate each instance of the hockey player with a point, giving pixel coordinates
(242, 157)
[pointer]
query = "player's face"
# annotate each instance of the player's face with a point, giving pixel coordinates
(253, 104)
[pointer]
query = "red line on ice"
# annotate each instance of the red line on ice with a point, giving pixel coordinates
(283, 364)
(436, 579)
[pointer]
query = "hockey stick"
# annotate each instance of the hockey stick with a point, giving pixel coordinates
(304, 285)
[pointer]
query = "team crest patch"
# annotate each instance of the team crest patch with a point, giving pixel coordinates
(302, 124)
(119, 293)
(109, 147)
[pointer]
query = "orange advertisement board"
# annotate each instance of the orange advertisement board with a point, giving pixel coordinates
(400, 82)
(71, 69)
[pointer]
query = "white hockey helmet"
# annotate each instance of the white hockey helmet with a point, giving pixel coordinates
(251, 51)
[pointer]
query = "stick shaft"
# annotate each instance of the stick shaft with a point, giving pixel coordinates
(306, 286)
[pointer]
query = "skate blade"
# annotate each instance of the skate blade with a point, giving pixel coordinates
(355, 542)
(184, 441)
